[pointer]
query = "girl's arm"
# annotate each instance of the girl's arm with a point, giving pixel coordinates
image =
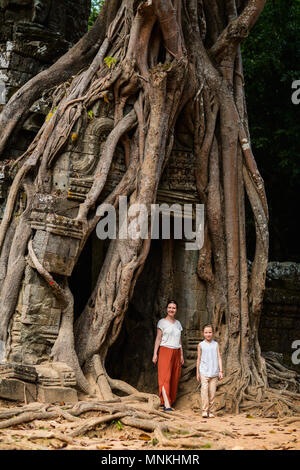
(156, 345)
(220, 364)
(198, 361)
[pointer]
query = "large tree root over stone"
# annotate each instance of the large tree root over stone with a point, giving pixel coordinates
(169, 58)
(273, 401)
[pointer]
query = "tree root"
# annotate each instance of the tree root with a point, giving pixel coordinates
(239, 393)
(170, 430)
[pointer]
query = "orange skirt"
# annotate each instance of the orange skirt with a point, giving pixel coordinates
(169, 371)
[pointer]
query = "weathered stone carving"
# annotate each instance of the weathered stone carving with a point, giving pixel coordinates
(41, 9)
(48, 382)
(55, 374)
(18, 371)
(35, 33)
(35, 324)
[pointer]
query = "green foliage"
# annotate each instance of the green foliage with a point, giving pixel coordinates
(95, 9)
(118, 425)
(154, 442)
(110, 61)
(91, 114)
(271, 57)
(206, 446)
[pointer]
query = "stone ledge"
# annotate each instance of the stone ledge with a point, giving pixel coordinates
(16, 390)
(56, 394)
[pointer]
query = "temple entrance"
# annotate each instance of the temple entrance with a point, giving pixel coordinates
(130, 357)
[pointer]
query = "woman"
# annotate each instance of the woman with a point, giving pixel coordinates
(168, 339)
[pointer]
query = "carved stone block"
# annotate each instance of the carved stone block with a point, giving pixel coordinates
(18, 371)
(56, 394)
(47, 382)
(65, 373)
(57, 253)
(57, 239)
(13, 389)
(35, 325)
(52, 374)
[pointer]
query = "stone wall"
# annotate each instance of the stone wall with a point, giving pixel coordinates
(280, 320)
(35, 33)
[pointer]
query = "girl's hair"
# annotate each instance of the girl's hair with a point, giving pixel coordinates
(208, 325)
(172, 302)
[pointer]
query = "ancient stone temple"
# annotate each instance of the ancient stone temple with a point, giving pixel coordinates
(33, 35)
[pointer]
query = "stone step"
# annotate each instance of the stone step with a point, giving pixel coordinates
(192, 347)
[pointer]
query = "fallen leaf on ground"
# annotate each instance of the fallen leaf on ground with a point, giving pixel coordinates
(144, 437)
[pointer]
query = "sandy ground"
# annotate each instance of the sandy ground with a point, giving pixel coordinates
(247, 432)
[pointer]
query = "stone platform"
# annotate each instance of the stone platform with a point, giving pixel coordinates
(47, 383)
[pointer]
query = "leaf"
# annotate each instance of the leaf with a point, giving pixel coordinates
(105, 97)
(103, 447)
(49, 116)
(206, 446)
(57, 444)
(154, 442)
(250, 416)
(118, 424)
(91, 114)
(109, 61)
(144, 437)
(74, 136)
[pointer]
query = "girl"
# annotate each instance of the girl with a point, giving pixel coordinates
(209, 368)
(168, 339)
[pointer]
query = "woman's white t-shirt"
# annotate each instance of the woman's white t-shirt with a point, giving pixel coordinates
(171, 333)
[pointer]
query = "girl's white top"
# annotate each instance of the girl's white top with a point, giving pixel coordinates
(209, 364)
(171, 333)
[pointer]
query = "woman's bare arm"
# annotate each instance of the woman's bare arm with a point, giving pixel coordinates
(156, 345)
(182, 358)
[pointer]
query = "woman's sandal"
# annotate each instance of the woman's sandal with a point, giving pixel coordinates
(168, 409)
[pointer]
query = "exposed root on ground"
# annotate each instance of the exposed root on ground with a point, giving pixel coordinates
(240, 392)
(68, 424)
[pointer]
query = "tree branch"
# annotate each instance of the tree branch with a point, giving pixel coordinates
(239, 28)
(78, 57)
(167, 17)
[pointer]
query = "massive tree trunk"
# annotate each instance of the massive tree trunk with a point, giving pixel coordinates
(169, 56)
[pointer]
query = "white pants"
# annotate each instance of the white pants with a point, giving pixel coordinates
(208, 392)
